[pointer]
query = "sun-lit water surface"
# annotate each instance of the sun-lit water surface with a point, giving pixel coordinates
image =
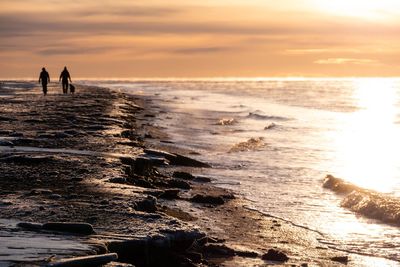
(368, 141)
(347, 128)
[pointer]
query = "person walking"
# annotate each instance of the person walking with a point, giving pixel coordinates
(44, 78)
(64, 77)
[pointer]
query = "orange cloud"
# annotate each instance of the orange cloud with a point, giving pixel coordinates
(123, 38)
(339, 61)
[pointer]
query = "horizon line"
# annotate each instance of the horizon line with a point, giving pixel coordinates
(213, 78)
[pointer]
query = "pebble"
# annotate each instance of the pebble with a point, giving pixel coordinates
(71, 227)
(341, 259)
(215, 200)
(275, 255)
(55, 196)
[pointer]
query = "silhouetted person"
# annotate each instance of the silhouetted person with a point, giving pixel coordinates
(44, 78)
(64, 77)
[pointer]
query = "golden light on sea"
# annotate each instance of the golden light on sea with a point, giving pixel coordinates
(368, 141)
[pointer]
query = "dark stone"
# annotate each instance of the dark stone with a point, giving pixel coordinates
(159, 153)
(40, 192)
(186, 161)
(55, 196)
(166, 141)
(30, 226)
(143, 166)
(147, 205)
(167, 250)
(156, 161)
(138, 166)
(3, 118)
(246, 254)
(127, 134)
(202, 179)
(275, 255)
(61, 135)
(138, 181)
(341, 259)
(135, 251)
(26, 160)
(228, 196)
(127, 160)
(70, 227)
(6, 143)
(170, 194)
(215, 200)
(194, 256)
(5, 203)
(4, 132)
(16, 134)
(72, 196)
(95, 127)
(218, 250)
(118, 180)
(178, 184)
(183, 175)
(45, 136)
(176, 159)
(215, 240)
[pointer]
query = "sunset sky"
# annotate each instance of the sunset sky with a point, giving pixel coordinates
(208, 38)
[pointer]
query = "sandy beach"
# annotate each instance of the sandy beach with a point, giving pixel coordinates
(86, 159)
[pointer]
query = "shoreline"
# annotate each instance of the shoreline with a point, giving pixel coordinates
(130, 198)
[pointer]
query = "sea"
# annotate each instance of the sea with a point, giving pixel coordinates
(274, 140)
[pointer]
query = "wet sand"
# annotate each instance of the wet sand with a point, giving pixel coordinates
(95, 157)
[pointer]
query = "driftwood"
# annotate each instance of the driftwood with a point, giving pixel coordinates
(94, 260)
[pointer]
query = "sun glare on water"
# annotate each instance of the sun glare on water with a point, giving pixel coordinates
(359, 8)
(368, 142)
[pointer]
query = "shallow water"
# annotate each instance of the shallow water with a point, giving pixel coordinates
(23, 246)
(305, 129)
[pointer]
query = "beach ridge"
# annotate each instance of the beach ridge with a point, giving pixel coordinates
(89, 163)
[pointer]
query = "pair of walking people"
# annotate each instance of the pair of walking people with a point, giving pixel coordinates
(44, 78)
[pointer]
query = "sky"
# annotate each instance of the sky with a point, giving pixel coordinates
(208, 38)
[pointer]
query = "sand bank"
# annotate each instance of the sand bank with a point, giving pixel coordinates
(95, 159)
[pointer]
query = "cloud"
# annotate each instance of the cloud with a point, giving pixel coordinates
(202, 50)
(153, 35)
(38, 25)
(60, 51)
(340, 61)
(306, 51)
(129, 11)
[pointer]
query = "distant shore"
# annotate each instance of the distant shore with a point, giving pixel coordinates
(86, 159)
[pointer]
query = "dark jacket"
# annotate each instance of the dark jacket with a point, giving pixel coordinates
(65, 76)
(44, 77)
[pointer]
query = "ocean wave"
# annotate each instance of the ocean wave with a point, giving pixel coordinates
(366, 202)
(270, 126)
(227, 121)
(339, 185)
(256, 116)
(249, 145)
